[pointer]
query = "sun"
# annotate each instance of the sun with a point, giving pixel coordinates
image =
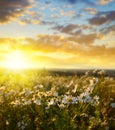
(16, 60)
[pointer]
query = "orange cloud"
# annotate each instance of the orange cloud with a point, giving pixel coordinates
(104, 2)
(60, 52)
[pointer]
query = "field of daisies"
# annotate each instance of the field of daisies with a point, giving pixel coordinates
(40, 101)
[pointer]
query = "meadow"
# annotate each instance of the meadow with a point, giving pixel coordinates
(38, 100)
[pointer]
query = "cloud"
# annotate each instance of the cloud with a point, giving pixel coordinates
(72, 1)
(110, 28)
(67, 13)
(91, 10)
(47, 2)
(75, 33)
(104, 2)
(60, 51)
(85, 38)
(72, 29)
(55, 16)
(33, 17)
(102, 18)
(87, 2)
(68, 29)
(29, 21)
(49, 43)
(75, 46)
(13, 9)
(107, 40)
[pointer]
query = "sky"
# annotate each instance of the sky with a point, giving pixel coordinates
(69, 34)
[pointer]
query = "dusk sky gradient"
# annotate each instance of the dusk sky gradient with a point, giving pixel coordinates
(59, 33)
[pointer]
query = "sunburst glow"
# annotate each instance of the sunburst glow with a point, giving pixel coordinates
(16, 60)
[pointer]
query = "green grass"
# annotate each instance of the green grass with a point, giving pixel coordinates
(33, 100)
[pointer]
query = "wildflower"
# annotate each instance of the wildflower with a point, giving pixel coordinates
(36, 87)
(74, 100)
(47, 107)
(28, 102)
(27, 92)
(82, 95)
(111, 99)
(113, 105)
(79, 99)
(2, 88)
(67, 85)
(64, 100)
(10, 93)
(22, 125)
(87, 98)
(18, 124)
(41, 86)
(37, 101)
(87, 73)
(95, 100)
(96, 97)
(15, 103)
(52, 102)
(7, 122)
(102, 72)
(55, 94)
(61, 106)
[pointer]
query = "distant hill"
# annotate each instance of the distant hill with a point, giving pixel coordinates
(81, 72)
